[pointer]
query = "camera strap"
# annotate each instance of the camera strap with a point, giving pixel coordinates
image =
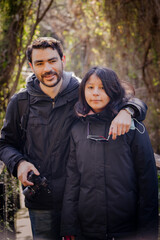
(23, 111)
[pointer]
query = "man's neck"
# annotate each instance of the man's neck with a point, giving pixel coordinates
(51, 91)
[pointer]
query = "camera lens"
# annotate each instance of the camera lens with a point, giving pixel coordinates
(28, 192)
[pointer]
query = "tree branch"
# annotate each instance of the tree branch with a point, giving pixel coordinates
(144, 65)
(45, 11)
(21, 63)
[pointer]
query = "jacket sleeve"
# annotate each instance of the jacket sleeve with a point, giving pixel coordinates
(10, 140)
(146, 172)
(139, 107)
(69, 219)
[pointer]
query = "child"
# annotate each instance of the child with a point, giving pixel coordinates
(111, 189)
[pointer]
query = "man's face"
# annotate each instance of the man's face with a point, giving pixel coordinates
(47, 66)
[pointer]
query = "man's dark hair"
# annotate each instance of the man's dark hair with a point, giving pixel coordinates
(112, 87)
(42, 43)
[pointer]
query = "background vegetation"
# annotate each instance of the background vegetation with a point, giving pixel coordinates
(121, 34)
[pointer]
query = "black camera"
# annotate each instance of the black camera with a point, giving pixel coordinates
(40, 183)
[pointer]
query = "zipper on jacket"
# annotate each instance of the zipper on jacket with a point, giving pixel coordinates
(106, 180)
(53, 103)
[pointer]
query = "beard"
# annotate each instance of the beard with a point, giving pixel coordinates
(53, 73)
(54, 84)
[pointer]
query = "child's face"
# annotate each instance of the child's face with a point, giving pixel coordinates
(95, 94)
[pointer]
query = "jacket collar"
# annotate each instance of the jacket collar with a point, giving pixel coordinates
(105, 115)
(70, 82)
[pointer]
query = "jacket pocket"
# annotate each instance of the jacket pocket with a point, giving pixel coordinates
(34, 121)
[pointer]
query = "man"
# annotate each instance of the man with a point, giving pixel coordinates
(52, 93)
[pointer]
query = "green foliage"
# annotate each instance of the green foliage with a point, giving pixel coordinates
(135, 35)
(11, 203)
(18, 26)
(87, 37)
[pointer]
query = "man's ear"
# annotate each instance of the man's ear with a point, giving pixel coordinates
(30, 64)
(64, 60)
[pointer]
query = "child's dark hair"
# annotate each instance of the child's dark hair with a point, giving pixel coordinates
(42, 43)
(112, 87)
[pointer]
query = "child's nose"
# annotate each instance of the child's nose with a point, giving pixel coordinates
(96, 91)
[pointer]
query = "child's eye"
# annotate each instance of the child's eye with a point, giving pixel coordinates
(101, 87)
(90, 87)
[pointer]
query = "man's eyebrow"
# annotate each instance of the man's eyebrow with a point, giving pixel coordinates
(54, 58)
(38, 61)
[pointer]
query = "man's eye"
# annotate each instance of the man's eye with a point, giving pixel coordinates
(38, 64)
(52, 61)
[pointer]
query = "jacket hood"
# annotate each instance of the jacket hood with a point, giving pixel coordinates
(32, 85)
(34, 88)
(69, 83)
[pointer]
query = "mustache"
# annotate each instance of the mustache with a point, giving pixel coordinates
(49, 73)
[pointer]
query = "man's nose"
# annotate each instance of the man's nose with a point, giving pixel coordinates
(47, 67)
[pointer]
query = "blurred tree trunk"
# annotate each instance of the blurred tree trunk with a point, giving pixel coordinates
(19, 21)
